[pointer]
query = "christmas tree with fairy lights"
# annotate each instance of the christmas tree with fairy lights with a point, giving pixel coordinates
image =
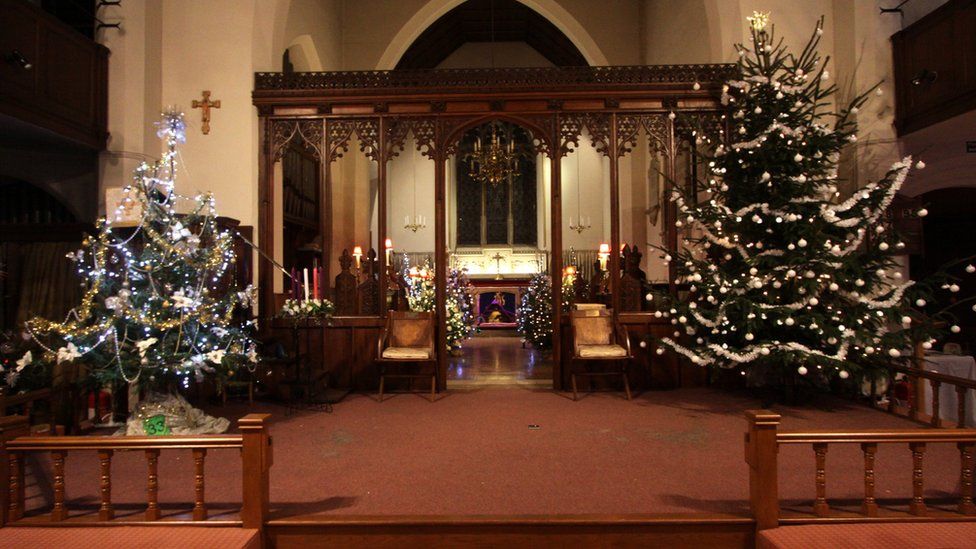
(785, 276)
(535, 314)
(160, 302)
(421, 296)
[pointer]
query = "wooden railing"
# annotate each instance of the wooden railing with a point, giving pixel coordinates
(763, 440)
(935, 379)
(254, 443)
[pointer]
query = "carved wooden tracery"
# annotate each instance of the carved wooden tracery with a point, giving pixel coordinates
(556, 105)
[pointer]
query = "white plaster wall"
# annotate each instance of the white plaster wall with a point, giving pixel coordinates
(407, 174)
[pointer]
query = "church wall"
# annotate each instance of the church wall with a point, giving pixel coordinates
(409, 167)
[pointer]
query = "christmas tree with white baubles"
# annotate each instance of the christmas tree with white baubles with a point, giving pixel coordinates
(786, 276)
(160, 301)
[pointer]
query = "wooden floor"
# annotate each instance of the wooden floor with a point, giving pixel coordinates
(498, 360)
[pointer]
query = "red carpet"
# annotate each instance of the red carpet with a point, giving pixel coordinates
(869, 536)
(475, 453)
(130, 537)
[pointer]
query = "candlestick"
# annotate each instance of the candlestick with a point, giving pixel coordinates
(305, 280)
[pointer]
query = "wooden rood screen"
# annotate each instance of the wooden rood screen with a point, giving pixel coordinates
(763, 442)
(254, 444)
(324, 111)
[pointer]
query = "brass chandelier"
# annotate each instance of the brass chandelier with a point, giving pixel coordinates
(496, 162)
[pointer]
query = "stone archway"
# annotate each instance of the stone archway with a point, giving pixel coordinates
(434, 9)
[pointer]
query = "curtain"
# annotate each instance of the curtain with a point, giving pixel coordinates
(49, 286)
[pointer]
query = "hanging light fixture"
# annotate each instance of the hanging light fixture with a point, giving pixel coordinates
(495, 162)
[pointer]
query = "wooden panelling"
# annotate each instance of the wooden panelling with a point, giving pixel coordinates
(65, 88)
(935, 66)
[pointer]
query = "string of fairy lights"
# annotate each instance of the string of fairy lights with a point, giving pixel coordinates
(160, 295)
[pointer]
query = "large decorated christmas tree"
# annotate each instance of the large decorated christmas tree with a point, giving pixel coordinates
(785, 276)
(160, 302)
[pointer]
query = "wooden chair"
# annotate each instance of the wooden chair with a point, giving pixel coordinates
(597, 338)
(408, 338)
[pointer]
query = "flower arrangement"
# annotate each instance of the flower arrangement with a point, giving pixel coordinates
(307, 308)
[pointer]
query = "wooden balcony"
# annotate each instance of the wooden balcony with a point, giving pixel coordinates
(51, 75)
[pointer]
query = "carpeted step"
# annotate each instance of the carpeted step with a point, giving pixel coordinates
(869, 536)
(131, 537)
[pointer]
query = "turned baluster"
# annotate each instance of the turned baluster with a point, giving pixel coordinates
(15, 487)
(869, 506)
(152, 485)
(58, 512)
(936, 402)
(199, 509)
(966, 505)
(961, 406)
(917, 507)
(820, 506)
(106, 512)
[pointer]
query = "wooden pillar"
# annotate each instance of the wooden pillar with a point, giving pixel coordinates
(556, 261)
(670, 208)
(266, 271)
(325, 209)
(11, 469)
(440, 260)
(761, 455)
(256, 458)
(614, 217)
(381, 159)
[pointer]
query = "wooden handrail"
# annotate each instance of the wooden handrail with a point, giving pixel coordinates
(928, 374)
(762, 442)
(877, 437)
(176, 442)
(254, 443)
(7, 401)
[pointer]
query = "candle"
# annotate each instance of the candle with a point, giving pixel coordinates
(604, 255)
(357, 253)
(389, 251)
(305, 280)
(315, 283)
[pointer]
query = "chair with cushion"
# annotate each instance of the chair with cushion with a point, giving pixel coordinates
(407, 339)
(597, 338)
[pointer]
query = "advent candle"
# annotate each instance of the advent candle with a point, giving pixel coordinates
(305, 280)
(315, 283)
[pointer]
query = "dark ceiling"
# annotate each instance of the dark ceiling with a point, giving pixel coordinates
(472, 22)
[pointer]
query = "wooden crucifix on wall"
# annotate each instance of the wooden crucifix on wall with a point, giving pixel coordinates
(205, 107)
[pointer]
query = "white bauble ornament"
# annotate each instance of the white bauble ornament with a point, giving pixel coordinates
(894, 353)
(883, 246)
(955, 329)
(843, 374)
(649, 297)
(749, 337)
(953, 288)
(764, 351)
(971, 269)
(859, 282)
(659, 350)
(923, 212)
(789, 321)
(802, 370)
(869, 350)
(926, 345)
(919, 302)
(814, 301)
(920, 165)
(833, 287)
(801, 243)
(798, 157)
(906, 319)
(643, 344)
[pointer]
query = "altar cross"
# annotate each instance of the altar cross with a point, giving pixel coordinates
(498, 264)
(205, 107)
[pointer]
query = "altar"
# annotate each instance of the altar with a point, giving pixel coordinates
(499, 276)
(497, 303)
